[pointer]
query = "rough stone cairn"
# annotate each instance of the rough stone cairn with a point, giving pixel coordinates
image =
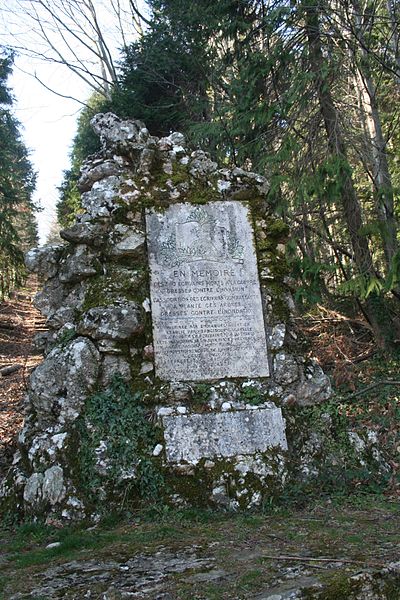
(97, 415)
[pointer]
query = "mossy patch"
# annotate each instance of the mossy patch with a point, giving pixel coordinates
(201, 394)
(270, 232)
(323, 461)
(180, 174)
(248, 553)
(115, 444)
(117, 283)
(252, 395)
(67, 336)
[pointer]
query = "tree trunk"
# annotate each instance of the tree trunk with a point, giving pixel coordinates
(394, 40)
(381, 173)
(374, 305)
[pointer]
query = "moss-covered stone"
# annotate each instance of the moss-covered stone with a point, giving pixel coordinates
(118, 283)
(115, 441)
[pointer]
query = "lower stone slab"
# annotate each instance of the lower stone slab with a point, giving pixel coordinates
(208, 435)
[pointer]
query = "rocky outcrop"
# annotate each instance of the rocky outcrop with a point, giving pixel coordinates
(96, 300)
(44, 261)
(118, 322)
(60, 385)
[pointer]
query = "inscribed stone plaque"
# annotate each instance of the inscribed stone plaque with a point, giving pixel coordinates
(205, 294)
(209, 435)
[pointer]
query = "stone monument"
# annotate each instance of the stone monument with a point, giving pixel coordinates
(205, 293)
(170, 355)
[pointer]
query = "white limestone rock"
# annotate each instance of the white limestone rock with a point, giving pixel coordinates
(90, 173)
(158, 449)
(78, 265)
(59, 305)
(41, 340)
(180, 392)
(53, 489)
(255, 180)
(286, 369)
(109, 347)
(147, 367)
(84, 233)
(44, 260)
(277, 336)
(112, 365)
(102, 199)
(201, 164)
(51, 297)
(61, 384)
(148, 352)
(118, 135)
(177, 138)
(223, 185)
(33, 489)
(126, 241)
(165, 411)
(43, 449)
(63, 316)
(220, 496)
(146, 305)
(316, 388)
(117, 322)
(146, 161)
(53, 545)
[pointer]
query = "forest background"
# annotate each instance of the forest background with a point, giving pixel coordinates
(305, 92)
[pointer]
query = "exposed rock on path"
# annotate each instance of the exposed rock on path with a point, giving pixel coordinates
(342, 553)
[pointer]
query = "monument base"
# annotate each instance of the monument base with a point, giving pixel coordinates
(232, 458)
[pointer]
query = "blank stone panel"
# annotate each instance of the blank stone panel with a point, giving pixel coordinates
(205, 294)
(211, 435)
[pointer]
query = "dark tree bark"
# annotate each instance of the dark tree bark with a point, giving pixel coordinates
(375, 308)
(381, 174)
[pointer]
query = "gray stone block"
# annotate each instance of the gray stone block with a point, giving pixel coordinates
(207, 435)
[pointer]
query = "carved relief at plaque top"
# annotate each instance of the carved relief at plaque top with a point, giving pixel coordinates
(200, 237)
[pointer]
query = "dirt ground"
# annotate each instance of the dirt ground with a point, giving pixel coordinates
(333, 551)
(19, 320)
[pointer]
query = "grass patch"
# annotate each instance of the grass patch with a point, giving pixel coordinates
(240, 542)
(28, 534)
(250, 580)
(148, 528)
(71, 543)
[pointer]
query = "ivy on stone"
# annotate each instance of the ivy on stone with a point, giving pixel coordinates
(116, 444)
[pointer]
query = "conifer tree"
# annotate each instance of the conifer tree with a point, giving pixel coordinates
(18, 230)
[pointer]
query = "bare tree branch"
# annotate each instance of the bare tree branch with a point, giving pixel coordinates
(58, 93)
(83, 35)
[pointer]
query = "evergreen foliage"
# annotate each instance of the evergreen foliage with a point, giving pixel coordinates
(304, 92)
(17, 181)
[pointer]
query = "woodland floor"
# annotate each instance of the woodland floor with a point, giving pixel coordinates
(19, 320)
(195, 555)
